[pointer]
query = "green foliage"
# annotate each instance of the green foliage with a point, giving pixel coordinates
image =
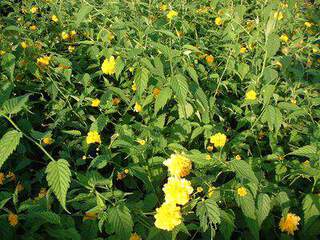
(8, 143)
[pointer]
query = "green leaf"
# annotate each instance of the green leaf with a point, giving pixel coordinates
(119, 67)
(309, 151)
(273, 117)
(141, 79)
(47, 216)
(58, 177)
(243, 170)
(263, 207)
(15, 105)
(80, 16)
(267, 94)
(162, 99)
(8, 65)
(8, 143)
(311, 213)
(208, 213)
(5, 92)
(227, 223)
(121, 221)
(180, 87)
(272, 45)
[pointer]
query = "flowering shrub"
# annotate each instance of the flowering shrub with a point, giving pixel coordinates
(159, 120)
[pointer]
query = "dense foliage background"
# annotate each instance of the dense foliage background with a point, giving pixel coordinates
(184, 71)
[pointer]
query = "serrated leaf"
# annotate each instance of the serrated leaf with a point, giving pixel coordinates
(208, 213)
(309, 151)
(141, 79)
(59, 177)
(8, 143)
(5, 92)
(227, 223)
(267, 94)
(8, 63)
(263, 207)
(49, 217)
(162, 99)
(311, 213)
(83, 12)
(15, 105)
(272, 45)
(121, 221)
(243, 170)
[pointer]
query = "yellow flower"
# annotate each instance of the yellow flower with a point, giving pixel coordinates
(243, 50)
(47, 140)
(11, 175)
(89, 216)
(156, 92)
(278, 15)
(137, 107)
(126, 171)
(218, 139)
(308, 24)
(43, 61)
(54, 18)
(177, 190)
(134, 87)
(314, 50)
(209, 59)
(115, 101)
(293, 101)
(65, 35)
(178, 165)
(284, 38)
(210, 148)
(71, 49)
(242, 191)
(141, 142)
(199, 189)
(33, 27)
(251, 95)
(306, 162)
(163, 7)
(42, 193)
(167, 216)
(278, 64)
(2, 178)
(238, 157)
(289, 223)
(284, 5)
(109, 66)
(73, 33)
(131, 69)
(208, 157)
(309, 62)
(13, 219)
(24, 45)
(2, 52)
(218, 21)
(95, 102)
(135, 236)
(34, 9)
(93, 137)
(210, 191)
(171, 14)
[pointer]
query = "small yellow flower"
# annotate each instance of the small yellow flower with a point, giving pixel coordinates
(243, 50)
(308, 24)
(71, 49)
(115, 101)
(284, 5)
(47, 140)
(306, 162)
(251, 95)
(293, 101)
(13, 219)
(135, 236)
(242, 191)
(141, 142)
(278, 15)
(24, 45)
(156, 91)
(54, 18)
(309, 62)
(238, 157)
(163, 7)
(218, 21)
(218, 139)
(210, 148)
(208, 157)
(284, 38)
(95, 102)
(93, 137)
(73, 33)
(43, 61)
(2, 178)
(211, 191)
(33, 27)
(209, 59)
(65, 36)
(278, 64)
(134, 87)
(167, 216)
(172, 14)
(137, 107)
(314, 50)
(199, 189)
(89, 216)
(109, 66)
(2, 52)
(34, 9)
(131, 69)
(178, 165)
(289, 223)
(126, 171)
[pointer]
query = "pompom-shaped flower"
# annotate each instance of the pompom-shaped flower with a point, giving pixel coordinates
(93, 137)
(34, 9)
(278, 15)
(243, 50)
(172, 14)
(135, 236)
(308, 24)
(242, 191)
(284, 38)
(178, 165)
(209, 59)
(109, 66)
(218, 139)
(65, 35)
(13, 219)
(289, 223)
(95, 102)
(43, 61)
(167, 216)
(54, 18)
(137, 107)
(251, 95)
(177, 190)
(218, 21)
(24, 45)
(47, 140)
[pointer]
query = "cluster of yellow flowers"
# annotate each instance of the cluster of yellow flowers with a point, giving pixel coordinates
(68, 36)
(177, 192)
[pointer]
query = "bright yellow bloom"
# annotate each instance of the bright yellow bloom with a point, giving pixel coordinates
(115, 101)
(89, 216)
(156, 91)
(210, 191)
(306, 162)
(93, 137)
(289, 223)
(251, 95)
(171, 14)
(43, 61)
(293, 101)
(243, 50)
(2, 52)
(178, 165)
(24, 45)
(71, 49)
(126, 171)
(141, 142)
(284, 5)
(54, 18)
(242, 191)
(13, 219)
(218, 21)
(208, 157)
(209, 59)
(218, 139)
(65, 35)
(73, 33)
(131, 69)
(199, 189)
(134, 87)
(278, 64)
(2, 178)
(238, 157)
(47, 140)
(278, 15)
(167, 216)
(308, 24)
(314, 50)
(163, 7)
(33, 27)
(137, 107)
(177, 190)
(135, 236)
(95, 102)
(284, 38)
(109, 66)
(34, 9)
